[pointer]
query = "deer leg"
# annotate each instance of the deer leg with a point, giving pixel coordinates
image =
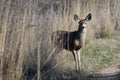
(76, 60)
(79, 59)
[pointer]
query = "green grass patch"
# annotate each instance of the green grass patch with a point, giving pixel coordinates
(95, 57)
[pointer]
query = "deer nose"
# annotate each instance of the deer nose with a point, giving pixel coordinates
(83, 26)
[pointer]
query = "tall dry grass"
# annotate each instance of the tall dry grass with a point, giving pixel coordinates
(26, 27)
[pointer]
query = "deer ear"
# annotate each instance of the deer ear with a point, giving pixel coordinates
(76, 18)
(88, 17)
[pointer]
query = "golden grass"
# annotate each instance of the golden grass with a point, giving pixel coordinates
(25, 31)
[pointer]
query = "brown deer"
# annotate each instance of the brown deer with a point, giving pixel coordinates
(72, 41)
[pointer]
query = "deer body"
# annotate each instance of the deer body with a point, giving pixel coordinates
(72, 41)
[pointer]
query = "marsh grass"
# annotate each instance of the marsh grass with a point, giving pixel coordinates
(99, 54)
(105, 33)
(25, 38)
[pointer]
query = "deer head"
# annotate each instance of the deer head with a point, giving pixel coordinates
(82, 22)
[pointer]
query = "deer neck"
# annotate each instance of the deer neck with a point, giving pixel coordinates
(82, 33)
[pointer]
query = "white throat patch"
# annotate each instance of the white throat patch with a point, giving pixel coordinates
(84, 25)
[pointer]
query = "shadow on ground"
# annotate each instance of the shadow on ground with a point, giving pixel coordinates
(111, 76)
(70, 75)
(73, 75)
(55, 75)
(106, 76)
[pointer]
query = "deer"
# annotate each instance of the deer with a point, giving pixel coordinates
(72, 40)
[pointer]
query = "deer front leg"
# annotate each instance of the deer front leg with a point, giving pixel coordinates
(79, 59)
(76, 59)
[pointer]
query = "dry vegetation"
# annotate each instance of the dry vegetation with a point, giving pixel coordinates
(25, 43)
